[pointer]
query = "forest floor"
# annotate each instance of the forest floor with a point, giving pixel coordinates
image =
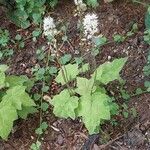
(130, 133)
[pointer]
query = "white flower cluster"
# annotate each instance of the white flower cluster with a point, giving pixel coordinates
(90, 25)
(49, 27)
(78, 2)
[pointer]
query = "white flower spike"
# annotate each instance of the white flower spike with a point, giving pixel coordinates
(78, 2)
(49, 26)
(90, 25)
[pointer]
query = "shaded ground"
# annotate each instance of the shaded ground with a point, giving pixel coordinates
(67, 134)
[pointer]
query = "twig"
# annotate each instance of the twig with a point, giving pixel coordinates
(110, 142)
(11, 145)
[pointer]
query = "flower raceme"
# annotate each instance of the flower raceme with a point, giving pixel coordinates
(90, 25)
(50, 30)
(49, 27)
(78, 2)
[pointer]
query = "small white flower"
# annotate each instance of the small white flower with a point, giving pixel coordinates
(90, 25)
(78, 2)
(49, 26)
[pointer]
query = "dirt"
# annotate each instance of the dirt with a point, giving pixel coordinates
(131, 133)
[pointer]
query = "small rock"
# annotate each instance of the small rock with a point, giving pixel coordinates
(134, 138)
(109, 57)
(60, 140)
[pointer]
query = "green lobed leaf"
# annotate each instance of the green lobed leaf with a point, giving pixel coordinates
(92, 3)
(13, 80)
(15, 17)
(147, 19)
(2, 79)
(18, 37)
(148, 90)
(70, 72)
(147, 84)
(53, 70)
(44, 106)
(84, 86)
(52, 3)
(119, 38)
(26, 111)
(99, 41)
(44, 125)
(109, 71)
(37, 32)
(3, 68)
(4, 37)
(84, 68)
(139, 91)
(7, 115)
(65, 105)
(93, 109)
(65, 59)
(36, 17)
(17, 97)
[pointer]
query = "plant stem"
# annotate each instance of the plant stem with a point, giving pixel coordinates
(64, 73)
(142, 3)
(43, 84)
